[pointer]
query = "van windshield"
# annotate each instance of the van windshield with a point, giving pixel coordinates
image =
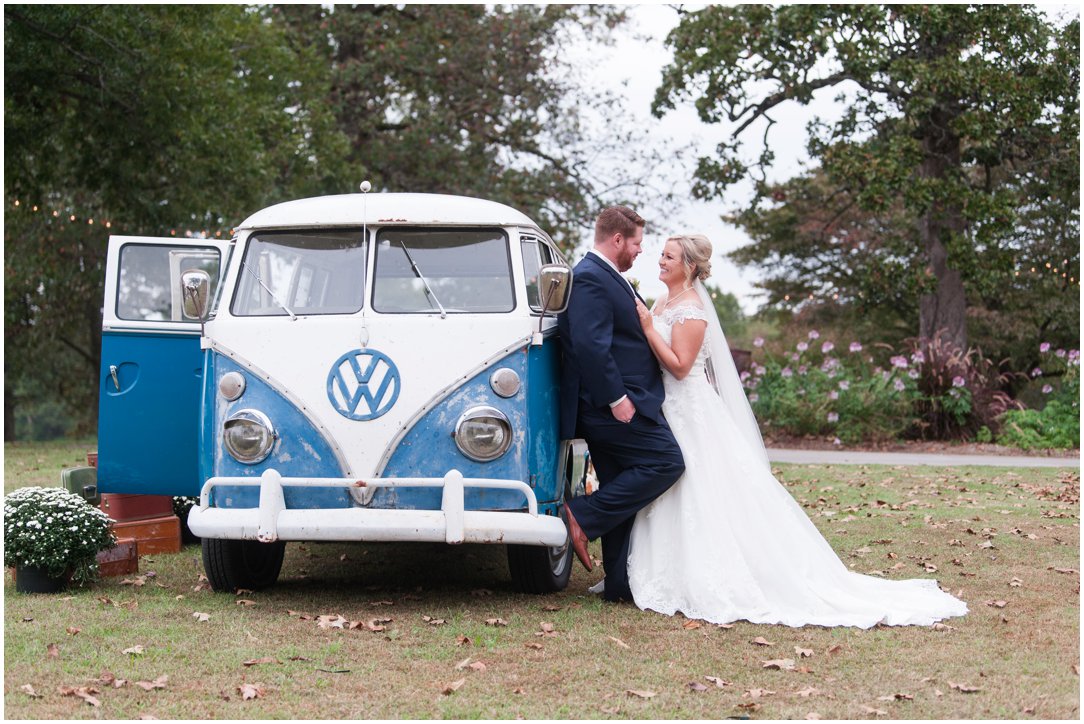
(302, 272)
(450, 270)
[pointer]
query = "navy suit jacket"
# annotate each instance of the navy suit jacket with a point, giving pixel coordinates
(605, 352)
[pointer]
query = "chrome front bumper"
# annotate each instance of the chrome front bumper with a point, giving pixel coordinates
(272, 520)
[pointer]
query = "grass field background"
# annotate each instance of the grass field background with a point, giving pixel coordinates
(441, 634)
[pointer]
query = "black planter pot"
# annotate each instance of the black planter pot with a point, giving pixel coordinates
(31, 579)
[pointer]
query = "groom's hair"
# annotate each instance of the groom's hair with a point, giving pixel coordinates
(617, 220)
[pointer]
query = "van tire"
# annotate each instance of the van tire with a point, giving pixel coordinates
(234, 564)
(538, 569)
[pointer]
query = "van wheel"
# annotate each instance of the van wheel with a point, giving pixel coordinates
(538, 569)
(233, 564)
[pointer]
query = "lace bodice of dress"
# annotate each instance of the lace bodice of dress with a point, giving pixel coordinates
(665, 322)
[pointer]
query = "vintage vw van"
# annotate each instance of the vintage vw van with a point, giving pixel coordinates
(363, 367)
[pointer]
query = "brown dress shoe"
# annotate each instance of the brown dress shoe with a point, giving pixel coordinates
(578, 539)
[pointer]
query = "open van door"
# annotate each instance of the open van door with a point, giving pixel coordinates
(152, 366)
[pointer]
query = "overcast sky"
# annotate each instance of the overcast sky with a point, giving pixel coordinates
(636, 62)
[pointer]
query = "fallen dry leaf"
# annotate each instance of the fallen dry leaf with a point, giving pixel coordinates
(640, 693)
(761, 641)
(964, 688)
(547, 629)
(757, 693)
(997, 604)
(200, 616)
(696, 686)
(496, 622)
(803, 653)
(434, 621)
(719, 683)
(331, 621)
(477, 666)
(834, 649)
(874, 712)
(138, 581)
(896, 697)
(462, 640)
(52, 651)
(807, 692)
(691, 625)
(462, 664)
(86, 693)
(533, 645)
(453, 687)
(942, 627)
(749, 706)
(619, 642)
(779, 664)
(29, 691)
(551, 607)
(72, 630)
(159, 683)
(264, 660)
(250, 691)
(244, 602)
(134, 650)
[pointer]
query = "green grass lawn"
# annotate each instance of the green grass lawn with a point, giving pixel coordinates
(1006, 541)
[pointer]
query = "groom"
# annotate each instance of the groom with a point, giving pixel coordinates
(611, 396)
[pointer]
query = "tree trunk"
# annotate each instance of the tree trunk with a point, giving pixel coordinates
(944, 311)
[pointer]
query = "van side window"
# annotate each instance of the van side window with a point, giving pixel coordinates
(148, 287)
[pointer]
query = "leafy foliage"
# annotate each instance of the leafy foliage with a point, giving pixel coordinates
(817, 389)
(479, 101)
(55, 530)
(958, 118)
(137, 119)
(1057, 424)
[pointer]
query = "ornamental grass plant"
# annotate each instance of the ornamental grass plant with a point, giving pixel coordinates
(55, 530)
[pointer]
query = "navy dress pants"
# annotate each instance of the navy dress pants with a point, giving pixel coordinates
(636, 462)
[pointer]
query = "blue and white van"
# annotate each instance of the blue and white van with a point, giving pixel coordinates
(363, 367)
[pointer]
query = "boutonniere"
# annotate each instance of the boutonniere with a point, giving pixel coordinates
(634, 283)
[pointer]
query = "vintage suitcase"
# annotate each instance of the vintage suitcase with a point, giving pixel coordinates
(124, 506)
(152, 535)
(83, 481)
(121, 560)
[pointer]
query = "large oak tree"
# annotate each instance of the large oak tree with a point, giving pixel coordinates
(959, 139)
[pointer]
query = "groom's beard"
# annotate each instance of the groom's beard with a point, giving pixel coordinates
(624, 260)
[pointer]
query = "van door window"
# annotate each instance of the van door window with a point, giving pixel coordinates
(459, 270)
(305, 272)
(148, 287)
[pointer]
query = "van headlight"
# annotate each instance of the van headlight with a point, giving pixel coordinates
(249, 436)
(483, 433)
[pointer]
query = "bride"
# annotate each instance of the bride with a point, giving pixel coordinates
(728, 542)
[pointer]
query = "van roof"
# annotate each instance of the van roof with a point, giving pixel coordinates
(383, 208)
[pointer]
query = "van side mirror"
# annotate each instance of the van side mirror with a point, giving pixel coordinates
(195, 288)
(554, 287)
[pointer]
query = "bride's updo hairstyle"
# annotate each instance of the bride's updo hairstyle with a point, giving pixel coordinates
(696, 254)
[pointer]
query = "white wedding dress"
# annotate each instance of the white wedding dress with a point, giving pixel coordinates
(727, 542)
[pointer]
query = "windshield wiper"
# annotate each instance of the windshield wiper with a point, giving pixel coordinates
(293, 317)
(428, 289)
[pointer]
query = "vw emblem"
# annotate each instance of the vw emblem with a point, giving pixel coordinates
(363, 384)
